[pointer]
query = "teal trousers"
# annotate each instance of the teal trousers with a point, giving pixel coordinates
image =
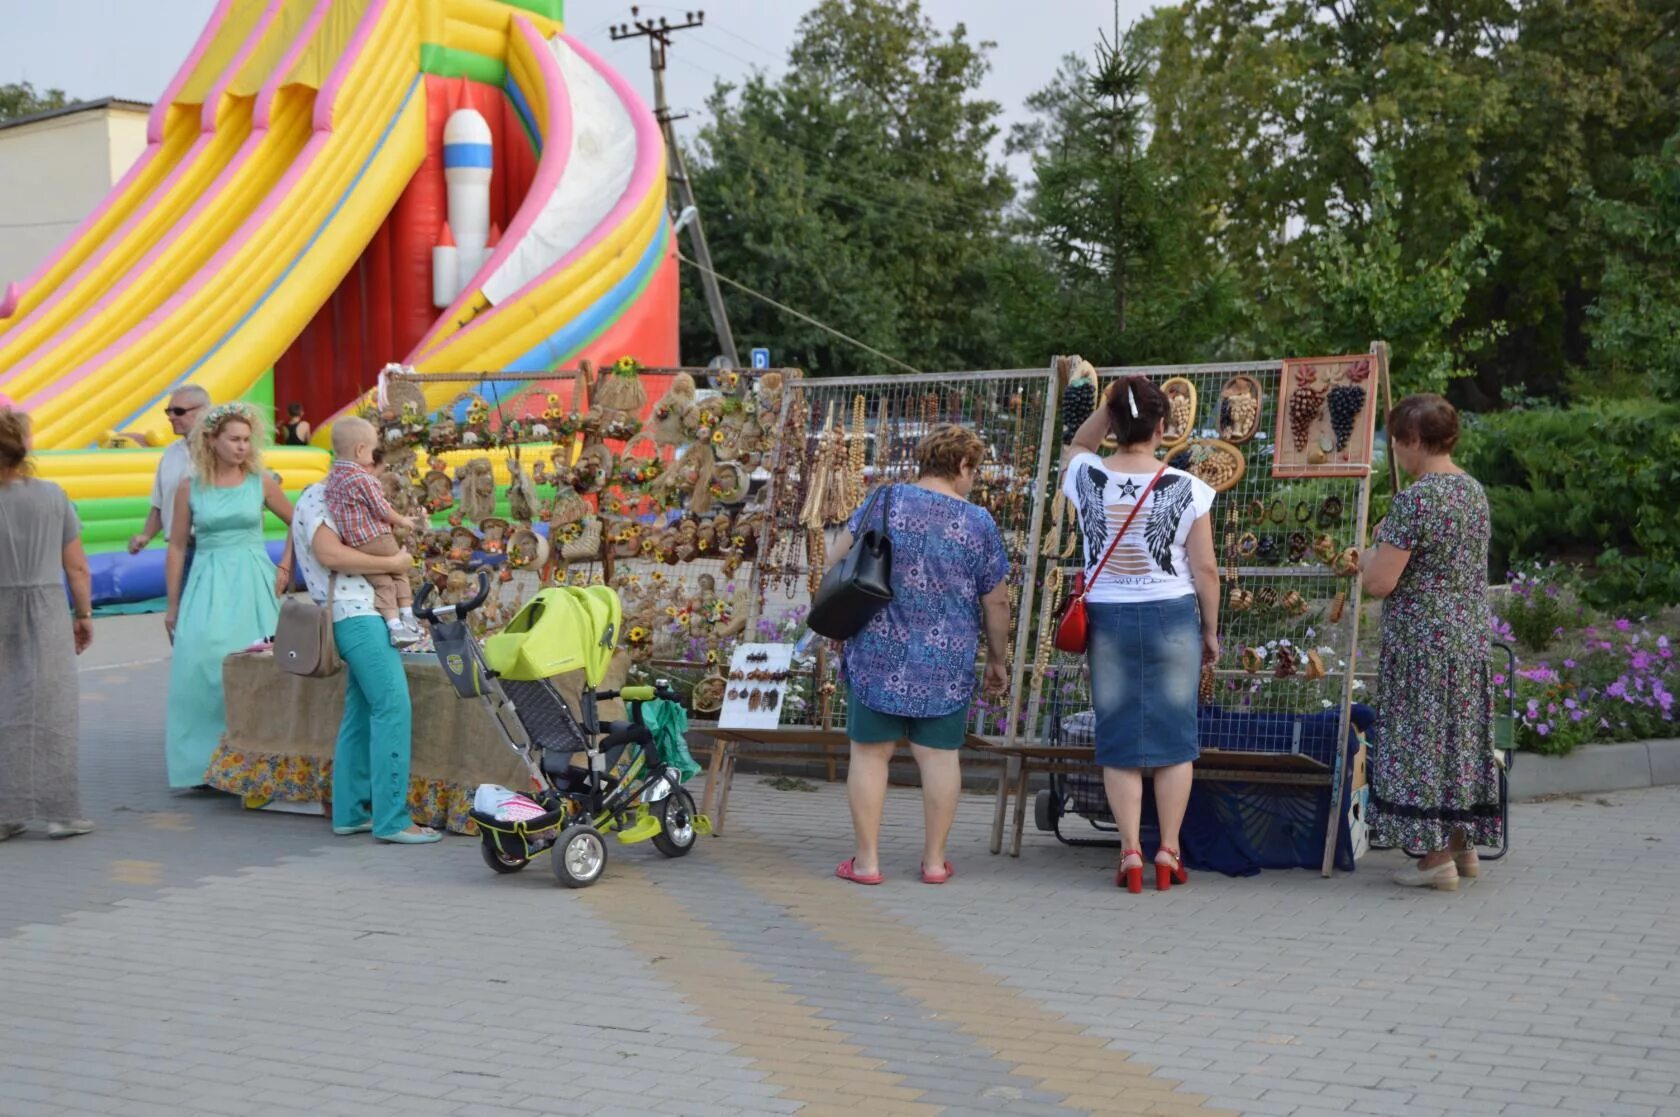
(370, 762)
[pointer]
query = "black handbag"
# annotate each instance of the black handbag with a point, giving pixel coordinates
(859, 585)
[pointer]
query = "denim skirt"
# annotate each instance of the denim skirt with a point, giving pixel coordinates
(1146, 668)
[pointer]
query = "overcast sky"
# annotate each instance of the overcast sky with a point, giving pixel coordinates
(130, 48)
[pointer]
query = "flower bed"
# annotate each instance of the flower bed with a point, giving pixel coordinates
(1584, 679)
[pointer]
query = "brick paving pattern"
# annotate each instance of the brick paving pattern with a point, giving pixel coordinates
(195, 958)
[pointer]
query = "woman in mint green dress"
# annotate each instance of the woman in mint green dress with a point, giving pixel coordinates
(230, 600)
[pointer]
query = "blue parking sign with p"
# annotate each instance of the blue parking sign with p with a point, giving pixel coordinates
(761, 358)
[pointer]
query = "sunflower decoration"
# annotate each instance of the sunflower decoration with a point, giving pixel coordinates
(552, 413)
(478, 423)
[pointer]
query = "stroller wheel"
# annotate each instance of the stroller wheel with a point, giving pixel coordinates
(499, 861)
(676, 824)
(1047, 810)
(580, 856)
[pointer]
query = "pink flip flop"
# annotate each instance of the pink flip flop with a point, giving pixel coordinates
(949, 873)
(847, 870)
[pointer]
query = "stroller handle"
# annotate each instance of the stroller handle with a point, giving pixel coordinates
(461, 610)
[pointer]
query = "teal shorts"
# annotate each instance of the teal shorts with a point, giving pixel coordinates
(867, 727)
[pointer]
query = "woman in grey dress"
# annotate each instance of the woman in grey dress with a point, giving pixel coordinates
(40, 547)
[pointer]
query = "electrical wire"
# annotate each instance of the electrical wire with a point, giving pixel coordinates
(762, 297)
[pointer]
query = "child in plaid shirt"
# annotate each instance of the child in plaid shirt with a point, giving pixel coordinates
(365, 519)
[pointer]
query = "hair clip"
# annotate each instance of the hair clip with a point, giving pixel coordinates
(1131, 401)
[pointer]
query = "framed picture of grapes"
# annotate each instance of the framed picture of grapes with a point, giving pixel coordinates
(1326, 416)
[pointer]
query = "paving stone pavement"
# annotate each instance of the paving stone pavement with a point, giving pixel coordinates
(194, 958)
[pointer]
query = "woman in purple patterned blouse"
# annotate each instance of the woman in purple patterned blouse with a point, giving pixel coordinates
(910, 674)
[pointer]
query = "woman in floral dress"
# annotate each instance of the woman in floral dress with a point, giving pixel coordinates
(1434, 782)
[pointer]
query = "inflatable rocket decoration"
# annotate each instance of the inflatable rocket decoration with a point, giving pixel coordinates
(465, 243)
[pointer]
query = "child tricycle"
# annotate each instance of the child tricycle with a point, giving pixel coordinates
(629, 783)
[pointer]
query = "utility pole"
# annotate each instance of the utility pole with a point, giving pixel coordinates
(680, 196)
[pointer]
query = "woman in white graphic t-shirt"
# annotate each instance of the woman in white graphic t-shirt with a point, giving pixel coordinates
(1153, 611)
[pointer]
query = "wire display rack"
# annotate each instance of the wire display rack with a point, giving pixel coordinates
(841, 438)
(1277, 706)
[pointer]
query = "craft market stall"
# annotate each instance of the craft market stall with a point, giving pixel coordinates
(710, 500)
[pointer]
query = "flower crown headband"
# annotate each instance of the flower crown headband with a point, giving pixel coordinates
(224, 411)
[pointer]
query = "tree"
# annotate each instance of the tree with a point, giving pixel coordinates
(20, 99)
(1594, 90)
(859, 189)
(1359, 282)
(1635, 323)
(1128, 259)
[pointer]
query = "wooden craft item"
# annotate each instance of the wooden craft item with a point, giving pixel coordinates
(1240, 402)
(1181, 411)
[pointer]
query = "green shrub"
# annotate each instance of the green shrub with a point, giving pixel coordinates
(1593, 484)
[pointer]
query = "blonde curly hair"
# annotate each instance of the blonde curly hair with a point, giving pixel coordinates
(212, 423)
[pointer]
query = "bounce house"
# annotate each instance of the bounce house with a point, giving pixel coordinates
(330, 186)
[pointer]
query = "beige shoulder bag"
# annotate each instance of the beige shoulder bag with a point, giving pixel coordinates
(303, 636)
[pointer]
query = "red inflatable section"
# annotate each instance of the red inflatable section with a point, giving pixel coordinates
(383, 307)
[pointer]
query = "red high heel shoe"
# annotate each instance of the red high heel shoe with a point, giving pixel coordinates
(1167, 875)
(1130, 877)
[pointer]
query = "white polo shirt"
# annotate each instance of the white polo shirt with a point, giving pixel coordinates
(352, 596)
(174, 467)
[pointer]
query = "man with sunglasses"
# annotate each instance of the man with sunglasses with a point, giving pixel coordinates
(185, 406)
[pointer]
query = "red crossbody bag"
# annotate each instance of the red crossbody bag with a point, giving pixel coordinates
(1072, 633)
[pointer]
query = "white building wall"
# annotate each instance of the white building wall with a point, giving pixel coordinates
(54, 172)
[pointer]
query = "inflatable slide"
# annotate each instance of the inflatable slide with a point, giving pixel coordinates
(330, 186)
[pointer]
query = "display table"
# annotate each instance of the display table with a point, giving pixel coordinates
(281, 729)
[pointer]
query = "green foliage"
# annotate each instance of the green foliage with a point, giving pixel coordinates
(1492, 186)
(1636, 321)
(1594, 483)
(1113, 230)
(19, 99)
(1357, 286)
(860, 188)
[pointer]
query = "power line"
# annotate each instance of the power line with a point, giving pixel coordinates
(762, 297)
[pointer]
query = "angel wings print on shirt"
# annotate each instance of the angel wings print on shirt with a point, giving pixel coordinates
(1093, 525)
(1172, 496)
(1151, 534)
